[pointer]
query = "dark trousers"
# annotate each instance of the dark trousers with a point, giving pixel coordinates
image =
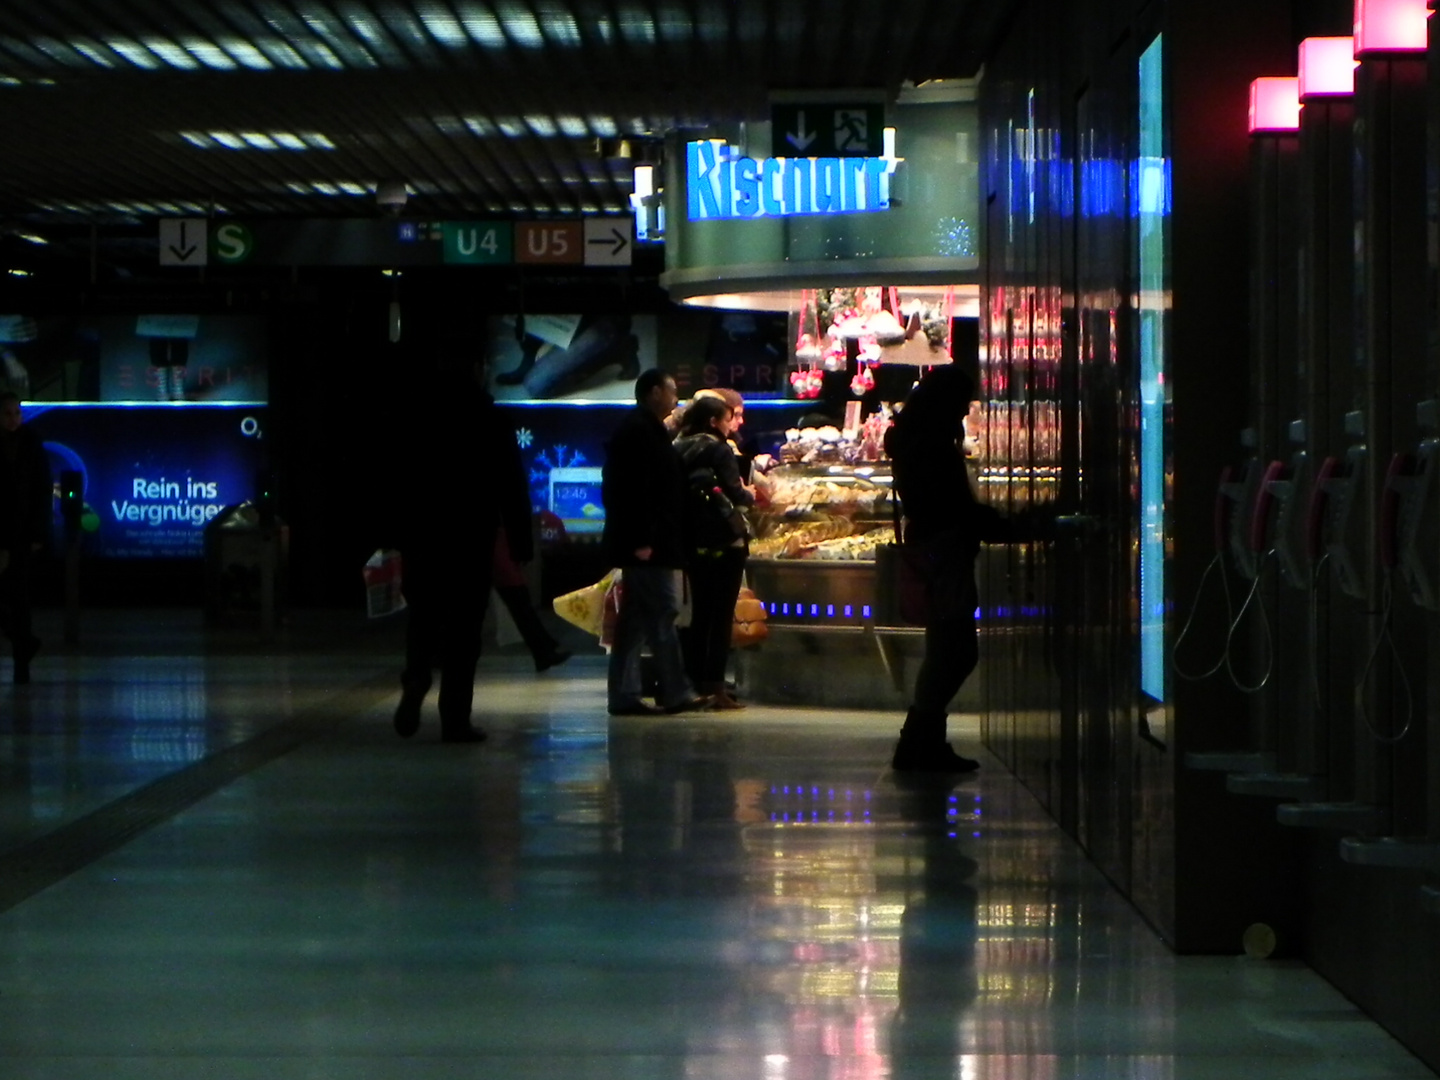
(952, 650)
(714, 587)
(538, 640)
(649, 602)
(15, 610)
(446, 600)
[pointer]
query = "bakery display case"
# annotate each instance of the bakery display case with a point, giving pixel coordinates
(817, 528)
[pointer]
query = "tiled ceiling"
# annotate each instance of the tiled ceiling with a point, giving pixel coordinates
(115, 110)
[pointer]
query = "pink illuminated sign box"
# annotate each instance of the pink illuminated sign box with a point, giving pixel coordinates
(1327, 66)
(1390, 26)
(1275, 104)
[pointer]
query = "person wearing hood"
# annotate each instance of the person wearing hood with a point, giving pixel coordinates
(942, 515)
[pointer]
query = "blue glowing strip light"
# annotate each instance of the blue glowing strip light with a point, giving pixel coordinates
(722, 184)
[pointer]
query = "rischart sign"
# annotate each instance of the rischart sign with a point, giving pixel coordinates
(721, 184)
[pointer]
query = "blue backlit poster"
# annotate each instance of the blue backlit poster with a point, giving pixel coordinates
(153, 475)
(1151, 199)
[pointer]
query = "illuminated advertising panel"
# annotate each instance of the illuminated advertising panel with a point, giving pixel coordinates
(152, 476)
(162, 415)
(1152, 210)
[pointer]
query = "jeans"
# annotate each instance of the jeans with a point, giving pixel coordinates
(650, 601)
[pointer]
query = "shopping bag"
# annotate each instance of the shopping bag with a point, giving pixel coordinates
(383, 574)
(610, 612)
(749, 626)
(585, 607)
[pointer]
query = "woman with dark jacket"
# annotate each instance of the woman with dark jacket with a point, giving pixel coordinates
(943, 517)
(717, 543)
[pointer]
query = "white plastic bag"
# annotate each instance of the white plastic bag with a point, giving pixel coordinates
(384, 580)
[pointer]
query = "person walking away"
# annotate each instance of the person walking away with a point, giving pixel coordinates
(514, 593)
(26, 507)
(460, 484)
(644, 493)
(942, 514)
(717, 543)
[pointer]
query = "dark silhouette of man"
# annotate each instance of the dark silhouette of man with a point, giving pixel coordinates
(460, 481)
(644, 491)
(26, 495)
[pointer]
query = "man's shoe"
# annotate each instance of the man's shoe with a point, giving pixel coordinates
(466, 734)
(724, 701)
(638, 708)
(695, 704)
(910, 757)
(551, 659)
(407, 713)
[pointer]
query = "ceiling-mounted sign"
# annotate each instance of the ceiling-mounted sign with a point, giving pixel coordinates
(827, 130)
(478, 242)
(231, 242)
(609, 241)
(554, 242)
(721, 184)
(183, 242)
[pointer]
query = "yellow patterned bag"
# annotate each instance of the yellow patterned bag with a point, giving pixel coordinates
(585, 607)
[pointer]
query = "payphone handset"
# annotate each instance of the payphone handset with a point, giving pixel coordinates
(1342, 494)
(1288, 547)
(1240, 497)
(1272, 496)
(1405, 514)
(1316, 509)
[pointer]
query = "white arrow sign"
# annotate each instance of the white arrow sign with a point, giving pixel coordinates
(184, 242)
(800, 139)
(608, 241)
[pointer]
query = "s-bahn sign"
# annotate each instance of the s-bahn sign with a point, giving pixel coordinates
(722, 184)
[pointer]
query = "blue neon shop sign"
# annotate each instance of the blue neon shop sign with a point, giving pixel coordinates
(722, 184)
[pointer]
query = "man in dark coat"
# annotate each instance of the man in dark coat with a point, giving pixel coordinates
(26, 496)
(644, 495)
(460, 481)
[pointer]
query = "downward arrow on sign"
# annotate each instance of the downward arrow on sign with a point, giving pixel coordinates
(800, 139)
(184, 252)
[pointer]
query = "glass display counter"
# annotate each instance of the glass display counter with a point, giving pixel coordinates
(836, 639)
(817, 529)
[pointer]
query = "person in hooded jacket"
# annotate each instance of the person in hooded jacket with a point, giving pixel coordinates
(718, 542)
(943, 516)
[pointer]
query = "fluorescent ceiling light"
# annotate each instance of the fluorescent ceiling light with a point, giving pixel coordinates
(172, 54)
(521, 26)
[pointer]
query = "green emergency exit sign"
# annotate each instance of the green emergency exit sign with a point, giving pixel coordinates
(826, 130)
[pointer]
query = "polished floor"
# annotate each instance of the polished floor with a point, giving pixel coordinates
(218, 861)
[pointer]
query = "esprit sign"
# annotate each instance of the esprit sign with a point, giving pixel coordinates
(721, 184)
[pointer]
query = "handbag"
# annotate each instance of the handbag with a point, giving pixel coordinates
(934, 582)
(749, 626)
(717, 519)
